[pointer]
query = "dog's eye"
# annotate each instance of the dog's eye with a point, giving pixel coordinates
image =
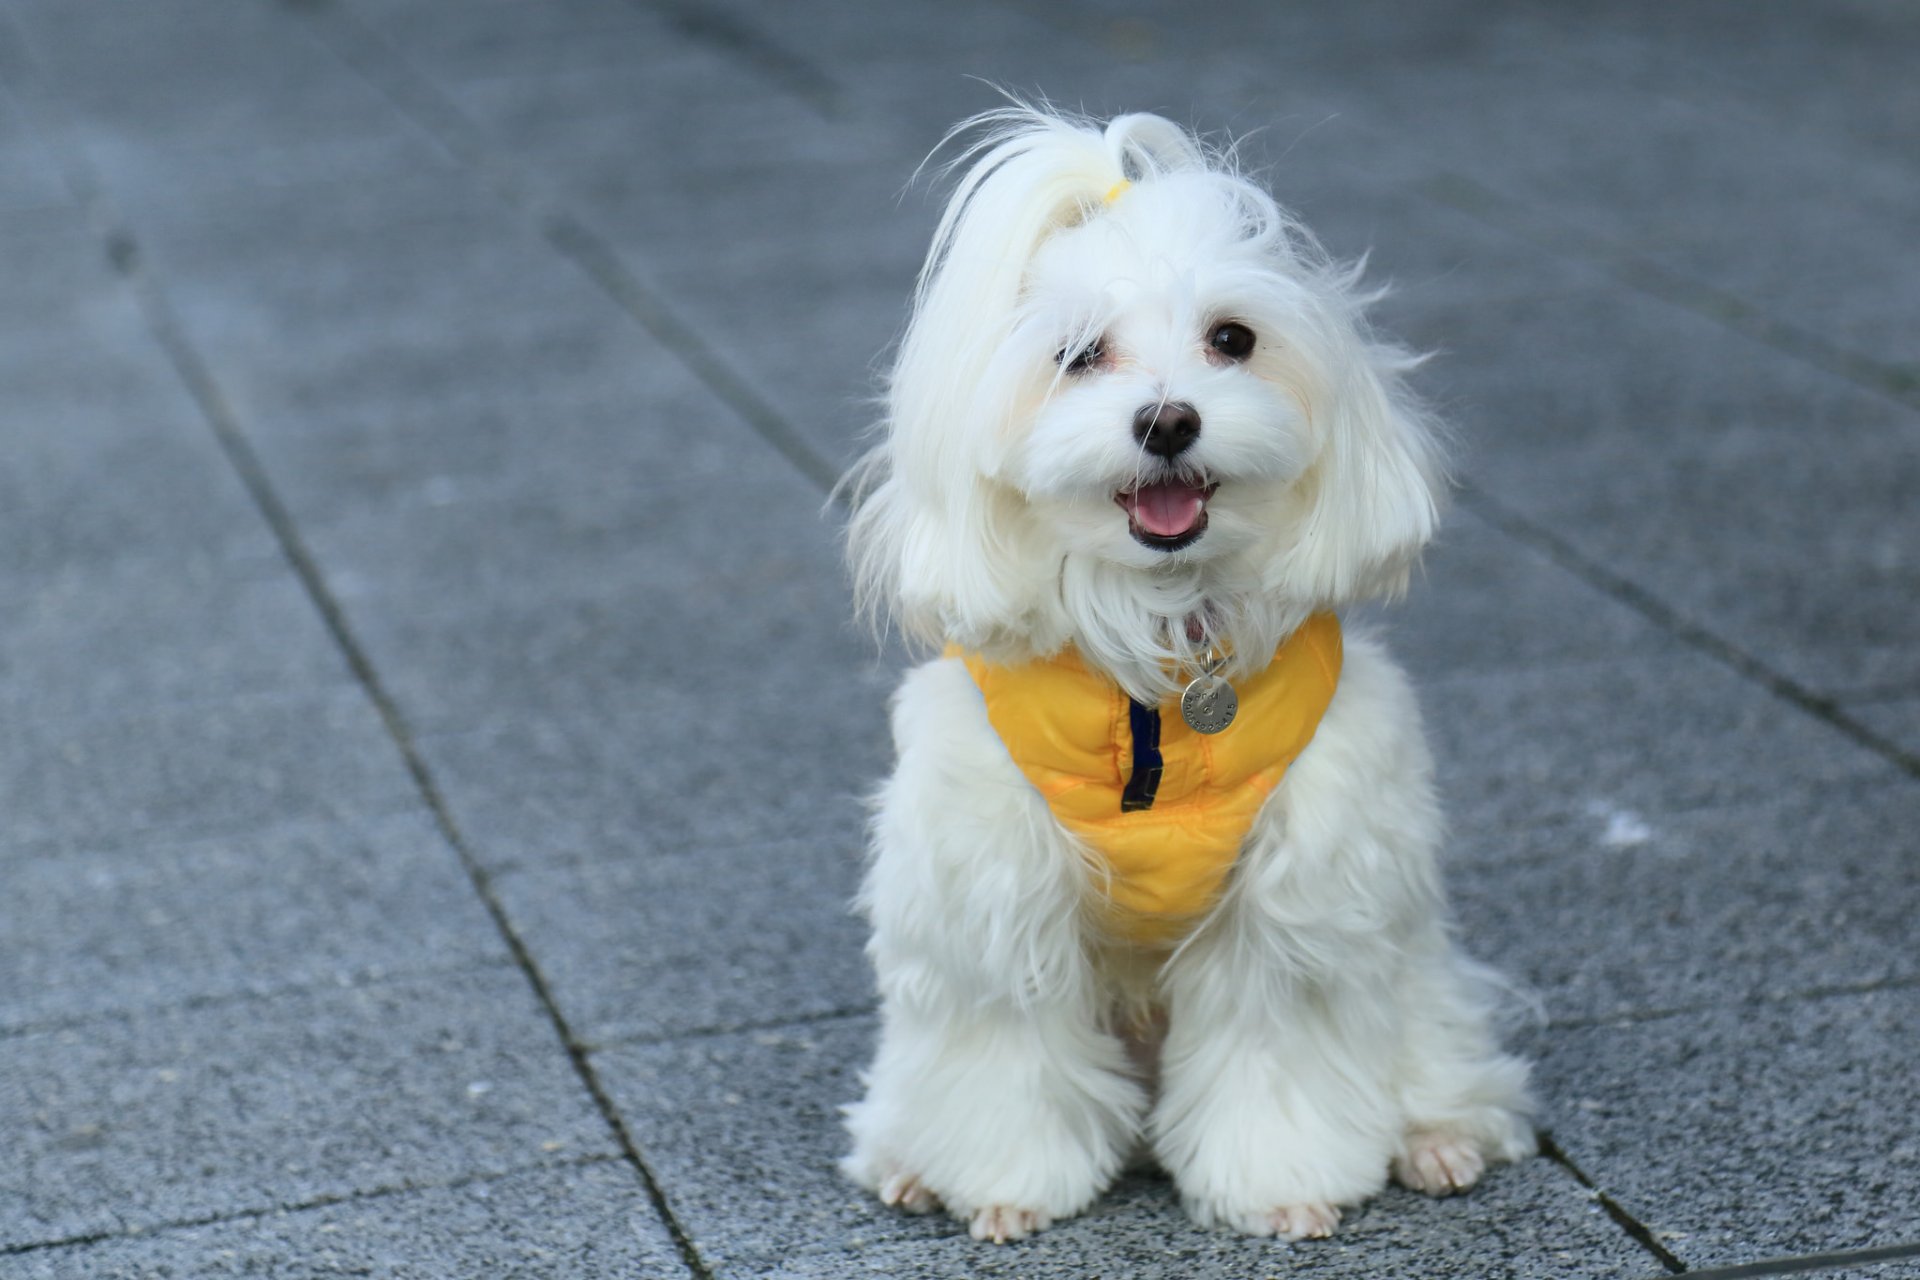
(1232, 340)
(1079, 361)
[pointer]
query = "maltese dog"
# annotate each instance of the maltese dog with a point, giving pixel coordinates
(1156, 867)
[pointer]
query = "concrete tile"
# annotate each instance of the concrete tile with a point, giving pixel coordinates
(669, 768)
(796, 222)
(178, 1115)
(1749, 1133)
(293, 904)
(756, 1113)
(1678, 454)
(107, 455)
(921, 65)
(28, 176)
(1759, 69)
(140, 631)
(1485, 604)
(660, 944)
(595, 636)
(550, 442)
(200, 768)
(503, 38)
(1652, 733)
(413, 288)
(660, 498)
(1685, 184)
(1621, 914)
(576, 1220)
(91, 486)
(166, 92)
(1530, 1221)
(1830, 267)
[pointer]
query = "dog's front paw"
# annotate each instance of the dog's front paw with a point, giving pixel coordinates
(906, 1191)
(1287, 1221)
(1001, 1223)
(1440, 1164)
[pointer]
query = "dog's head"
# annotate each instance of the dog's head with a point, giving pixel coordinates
(1136, 409)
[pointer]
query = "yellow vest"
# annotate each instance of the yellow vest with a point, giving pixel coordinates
(1165, 807)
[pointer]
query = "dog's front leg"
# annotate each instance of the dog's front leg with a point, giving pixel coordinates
(1275, 1109)
(995, 1091)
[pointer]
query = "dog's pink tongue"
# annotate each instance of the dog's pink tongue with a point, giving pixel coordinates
(1167, 509)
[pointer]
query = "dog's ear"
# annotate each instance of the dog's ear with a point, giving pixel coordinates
(943, 564)
(936, 541)
(1373, 496)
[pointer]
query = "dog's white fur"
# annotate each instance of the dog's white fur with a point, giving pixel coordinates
(1319, 1026)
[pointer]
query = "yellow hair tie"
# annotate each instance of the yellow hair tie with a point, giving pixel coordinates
(1117, 190)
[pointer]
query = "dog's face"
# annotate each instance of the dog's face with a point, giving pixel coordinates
(1164, 418)
(1136, 410)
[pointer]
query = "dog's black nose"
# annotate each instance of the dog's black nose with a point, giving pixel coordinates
(1167, 429)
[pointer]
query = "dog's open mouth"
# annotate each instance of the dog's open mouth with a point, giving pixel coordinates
(1168, 514)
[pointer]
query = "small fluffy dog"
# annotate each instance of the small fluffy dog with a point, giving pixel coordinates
(1140, 447)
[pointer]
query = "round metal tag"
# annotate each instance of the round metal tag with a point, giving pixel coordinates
(1209, 704)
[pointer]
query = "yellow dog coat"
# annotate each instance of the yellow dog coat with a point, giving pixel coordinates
(1165, 807)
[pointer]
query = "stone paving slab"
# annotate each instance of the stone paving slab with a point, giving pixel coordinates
(118, 930)
(1701, 518)
(1750, 1132)
(27, 181)
(504, 38)
(1544, 616)
(151, 630)
(1810, 258)
(110, 459)
(573, 1221)
(744, 1132)
(1438, 80)
(1809, 891)
(700, 939)
(163, 91)
(774, 759)
(177, 1115)
(199, 768)
(1649, 733)
(1568, 389)
(1531, 1222)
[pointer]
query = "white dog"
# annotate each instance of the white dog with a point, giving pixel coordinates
(1140, 441)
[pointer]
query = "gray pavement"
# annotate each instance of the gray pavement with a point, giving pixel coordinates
(434, 730)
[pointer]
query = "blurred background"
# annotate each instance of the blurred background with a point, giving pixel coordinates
(434, 731)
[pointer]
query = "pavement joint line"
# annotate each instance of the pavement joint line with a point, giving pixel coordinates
(1896, 382)
(1804, 995)
(741, 40)
(139, 843)
(676, 848)
(1807, 1263)
(412, 94)
(1899, 691)
(123, 251)
(1624, 1220)
(647, 1039)
(1568, 556)
(356, 1196)
(360, 980)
